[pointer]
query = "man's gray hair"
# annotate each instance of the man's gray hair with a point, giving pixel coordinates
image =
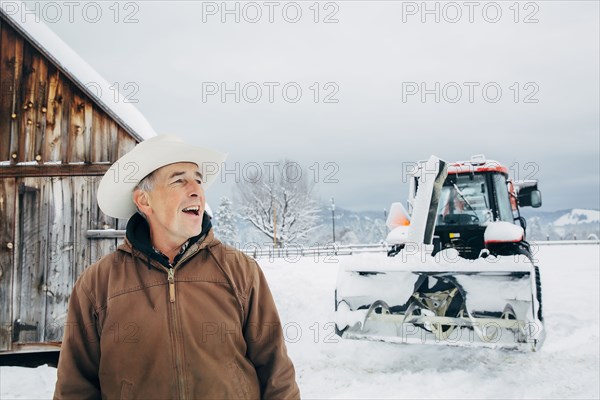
(145, 185)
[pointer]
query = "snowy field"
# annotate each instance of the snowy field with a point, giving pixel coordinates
(567, 366)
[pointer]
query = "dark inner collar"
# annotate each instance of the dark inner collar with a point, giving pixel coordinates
(138, 234)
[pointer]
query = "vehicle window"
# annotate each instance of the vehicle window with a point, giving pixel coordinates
(465, 202)
(502, 198)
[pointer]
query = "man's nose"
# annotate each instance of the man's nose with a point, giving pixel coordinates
(195, 189)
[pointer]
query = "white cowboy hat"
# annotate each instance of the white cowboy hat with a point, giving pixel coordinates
(116, 187)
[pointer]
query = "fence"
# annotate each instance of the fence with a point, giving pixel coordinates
(296, 250)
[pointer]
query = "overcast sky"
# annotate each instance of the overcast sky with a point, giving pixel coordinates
(518, 82)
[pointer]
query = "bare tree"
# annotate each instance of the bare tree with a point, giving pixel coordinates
(279, 203)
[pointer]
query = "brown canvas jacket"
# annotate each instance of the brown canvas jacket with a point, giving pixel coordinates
(207, 330)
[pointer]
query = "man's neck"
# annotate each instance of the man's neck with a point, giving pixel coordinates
(170, 250)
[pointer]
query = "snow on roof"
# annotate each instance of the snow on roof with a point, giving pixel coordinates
(578, 216)
(83, 75)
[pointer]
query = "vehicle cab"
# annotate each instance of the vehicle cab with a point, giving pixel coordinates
(475, 193)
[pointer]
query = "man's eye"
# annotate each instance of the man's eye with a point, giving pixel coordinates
(198, 181)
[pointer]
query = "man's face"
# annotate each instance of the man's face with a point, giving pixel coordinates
(175, 206)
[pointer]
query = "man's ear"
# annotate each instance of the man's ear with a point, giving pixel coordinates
(142, 201)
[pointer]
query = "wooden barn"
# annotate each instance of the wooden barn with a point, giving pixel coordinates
(57, 138)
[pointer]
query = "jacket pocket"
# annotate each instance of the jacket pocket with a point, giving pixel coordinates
(126, 388)
(239, 380)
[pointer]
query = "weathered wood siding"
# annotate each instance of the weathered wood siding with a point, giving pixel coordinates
(7, 218)
(51, 250)
(52, 133)
(44, 117)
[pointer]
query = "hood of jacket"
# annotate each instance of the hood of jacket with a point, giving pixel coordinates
(137, 237)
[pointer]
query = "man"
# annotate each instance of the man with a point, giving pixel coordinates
(173, 313)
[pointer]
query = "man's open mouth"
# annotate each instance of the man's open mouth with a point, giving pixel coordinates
(194, 210)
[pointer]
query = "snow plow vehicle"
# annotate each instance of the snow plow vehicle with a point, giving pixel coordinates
(459, 270)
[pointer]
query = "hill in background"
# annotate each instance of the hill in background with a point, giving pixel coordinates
(353, 227)
(570, 224)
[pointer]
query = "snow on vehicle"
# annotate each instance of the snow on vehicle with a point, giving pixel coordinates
(459, 271)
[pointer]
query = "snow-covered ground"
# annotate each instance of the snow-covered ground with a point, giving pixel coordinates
(567, 366)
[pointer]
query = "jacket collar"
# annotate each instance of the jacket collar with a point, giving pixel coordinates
(137, 240)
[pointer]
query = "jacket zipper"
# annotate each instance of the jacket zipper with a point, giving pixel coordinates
(174, 323)
(171, 277)
(173, 317)
(175, 330)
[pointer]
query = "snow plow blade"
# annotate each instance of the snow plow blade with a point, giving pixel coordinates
(459, 271)
(441, 300)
